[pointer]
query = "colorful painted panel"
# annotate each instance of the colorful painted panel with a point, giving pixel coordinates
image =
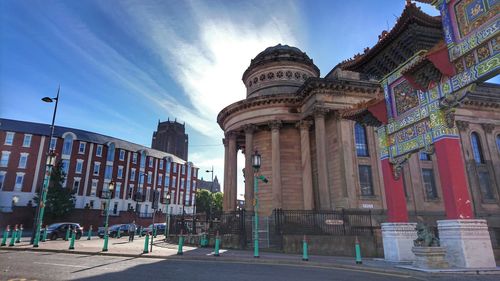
(405, 97)
(471, 14)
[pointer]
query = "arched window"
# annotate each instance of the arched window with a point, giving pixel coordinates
(361, 140)
(477, 150)
(143, 159)
(111, 152)
(68, 144)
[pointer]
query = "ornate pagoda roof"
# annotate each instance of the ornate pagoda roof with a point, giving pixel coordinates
(413, 31)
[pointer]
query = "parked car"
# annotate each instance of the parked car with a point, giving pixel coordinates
(58, 230)
(160, 228)
(113, 230)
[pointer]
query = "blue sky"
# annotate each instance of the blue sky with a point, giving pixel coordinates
(122, 65)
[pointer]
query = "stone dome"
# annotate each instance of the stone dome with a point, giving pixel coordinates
(277, 70)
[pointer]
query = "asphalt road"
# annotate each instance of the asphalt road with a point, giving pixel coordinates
(24, 266)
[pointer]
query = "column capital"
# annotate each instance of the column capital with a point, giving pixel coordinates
(488, 128)
(320, 111)
(462, 125)
(275, 125)
(249, 128)
(304, 124)
(230, 135)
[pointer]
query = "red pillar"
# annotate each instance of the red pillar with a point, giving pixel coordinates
(456, 198)
(394, 195)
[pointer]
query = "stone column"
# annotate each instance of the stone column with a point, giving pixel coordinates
(232, 171)
(324, 191)
(307, 184)
(249, 178)
(225, 205)
(276, 163)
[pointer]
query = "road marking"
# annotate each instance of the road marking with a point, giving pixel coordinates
(61, 264)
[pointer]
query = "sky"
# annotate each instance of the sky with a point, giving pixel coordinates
(124, 65)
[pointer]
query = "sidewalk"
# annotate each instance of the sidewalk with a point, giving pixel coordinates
(163, 250)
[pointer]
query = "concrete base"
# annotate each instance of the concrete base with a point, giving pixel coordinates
(467, 243)
(430, 257)
(398, 239)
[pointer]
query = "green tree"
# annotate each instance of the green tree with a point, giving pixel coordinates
(217, 201)
(60, 200)
(203, 201)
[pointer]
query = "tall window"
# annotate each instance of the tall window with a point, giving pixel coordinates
(98, 151)
(477, 149)
(111, 152)
(65, 166)
(143, 159)
(132, 174)
(134, 158)
(150, 177)
(97, 167)
(27, 140)
(161, 164)
(4, 161)
(79, 166)
(361, 140)
(122, 154)
(130, 191)
(23, 159)
(67, 145)
(150, 162)
(160, 179)
(53, 143)
(9, 138)
(167, 180)
(485, 185)
(365, 180)
(19, 181)
(183, 169)
(93, 188)
(175, 167)
(118, 188)
(2, 178)
(76, 185)
(429, 184)
(119, 173)
(81, 148)
(108, 173)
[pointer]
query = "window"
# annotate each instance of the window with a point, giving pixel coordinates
(98, 151)
(150, 177)
(141, 178)
(151, 162)
(93, 189)
(108, 172)
(160, 179)
(172, 197)
(182, 183)
(361, 140)
(97, 167)
(67, 145)
(168, 167)
(161, 164)
(9, 138)
(19, 181)
(53, 143)
(79, 166)
(424, 156)
(175, 167)
(119, 173)
(2, 178)
(27, 140)
(111, 153)
(429, 184)
(76, 185)
(81, 148)
(365, 180)
(132, 174)
(477, 150)
(143, 160)
(174, 181)
(115, 208)
(4, 161)
(122, 154)
(485, 185)
(65, 166)
(130, 191)
(134, 158)
(167, 180)
(183, 170)
(118, 188)
(23, 159)
(498, 143)
(148, 193)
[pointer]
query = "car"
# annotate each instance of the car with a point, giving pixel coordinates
(113, 230)
(160, 228)
(58, 230)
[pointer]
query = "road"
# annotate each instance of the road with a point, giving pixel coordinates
(26, 266)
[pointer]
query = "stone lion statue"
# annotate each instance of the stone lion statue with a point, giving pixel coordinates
(425, 237)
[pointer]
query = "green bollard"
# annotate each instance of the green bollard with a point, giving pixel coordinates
(181, 244)
(66, 238)
(89, 234)
(358, 252)
(13, 238)
(106, 238)
(154, 231)
(44, 237)
(217, 245)
(146, 242)
(72, 242)
(5, 236)
(305, 256)
(19, 234)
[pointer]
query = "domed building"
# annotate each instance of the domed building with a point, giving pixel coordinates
(291, 117)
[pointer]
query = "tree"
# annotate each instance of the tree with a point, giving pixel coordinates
(203, 201)
(60, 201)
(217, 201)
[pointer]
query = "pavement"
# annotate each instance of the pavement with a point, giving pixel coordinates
(167, 251)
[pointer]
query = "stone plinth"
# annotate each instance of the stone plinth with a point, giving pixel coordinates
(430, 257)
(467, 243)
(397, 238)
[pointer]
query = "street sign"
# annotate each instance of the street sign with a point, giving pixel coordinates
(334, 222)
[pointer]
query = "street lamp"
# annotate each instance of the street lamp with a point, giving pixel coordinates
(211, 197)
(107, 194)
(256, 161)
(48, 171)
(167, 221)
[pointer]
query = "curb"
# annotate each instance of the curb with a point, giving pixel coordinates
(224, 259)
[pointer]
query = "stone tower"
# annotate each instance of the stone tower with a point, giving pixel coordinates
(171, 137)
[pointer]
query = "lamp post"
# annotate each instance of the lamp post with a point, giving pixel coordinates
(210, 203)
(107, 193)
(256, 160)
(48, 171)
(167, 217)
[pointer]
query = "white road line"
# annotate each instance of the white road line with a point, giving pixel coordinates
(60, 264)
